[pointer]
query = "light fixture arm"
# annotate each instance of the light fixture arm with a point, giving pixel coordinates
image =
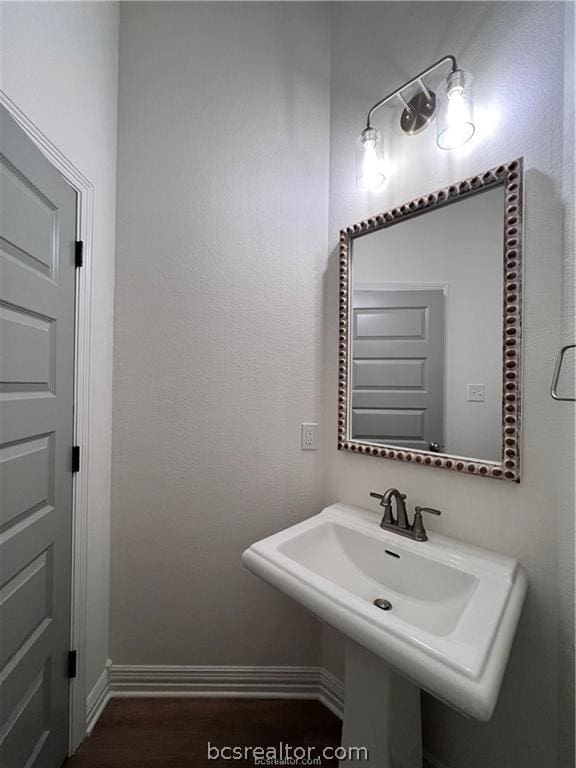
(417, 79)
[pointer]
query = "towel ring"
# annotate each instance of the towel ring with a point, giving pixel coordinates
(556, 375)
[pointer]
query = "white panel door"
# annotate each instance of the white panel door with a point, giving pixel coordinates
(37, 281)
(397, 393)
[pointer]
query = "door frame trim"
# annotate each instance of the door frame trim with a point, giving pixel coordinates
(82, 366)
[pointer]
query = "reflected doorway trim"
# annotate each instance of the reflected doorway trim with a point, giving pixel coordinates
(82, 364)
(510, 177)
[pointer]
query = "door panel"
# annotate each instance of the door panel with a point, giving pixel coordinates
(37, 281)
(23, 203)
(396, 425)
(391, 323)
(398, 367)
(389, 374)
(26, 476)
(28, 355)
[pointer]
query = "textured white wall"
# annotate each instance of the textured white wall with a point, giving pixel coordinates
(59, 64)
(515, 51)
(220, 313)
(222, 210)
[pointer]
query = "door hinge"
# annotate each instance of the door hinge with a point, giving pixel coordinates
(79, 253)
(72, 663)
(76, 458)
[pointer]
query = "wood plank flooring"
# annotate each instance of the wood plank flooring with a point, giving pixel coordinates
(174, 733)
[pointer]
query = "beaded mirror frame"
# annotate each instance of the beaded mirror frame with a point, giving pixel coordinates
(510, 176)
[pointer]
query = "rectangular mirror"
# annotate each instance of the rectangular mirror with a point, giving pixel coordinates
(430, 329)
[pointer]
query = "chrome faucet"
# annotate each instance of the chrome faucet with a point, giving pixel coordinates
(400, 524)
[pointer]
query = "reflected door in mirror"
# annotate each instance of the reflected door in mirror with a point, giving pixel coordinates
(398, 366)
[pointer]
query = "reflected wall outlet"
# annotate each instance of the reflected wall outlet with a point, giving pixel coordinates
(476, 393)
(309, 436)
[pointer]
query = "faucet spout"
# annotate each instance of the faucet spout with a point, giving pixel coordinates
(401, 515)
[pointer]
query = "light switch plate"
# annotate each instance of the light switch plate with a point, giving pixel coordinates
(309, 436)
(476, 393)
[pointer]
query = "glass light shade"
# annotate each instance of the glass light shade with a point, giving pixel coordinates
(369, 163)
(454, 122)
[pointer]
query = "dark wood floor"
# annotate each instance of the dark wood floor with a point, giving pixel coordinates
(174, 733)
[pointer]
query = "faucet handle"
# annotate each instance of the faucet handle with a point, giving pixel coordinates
(418, 526)
(388, 519)
(430, 510)
(381, 496)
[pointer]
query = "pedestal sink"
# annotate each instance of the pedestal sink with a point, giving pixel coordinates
(447, 617)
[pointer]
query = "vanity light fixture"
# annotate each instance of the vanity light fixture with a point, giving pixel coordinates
(454, 122)
(369, 163)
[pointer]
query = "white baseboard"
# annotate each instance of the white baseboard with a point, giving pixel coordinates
(331, 693)
(124, 681)
(98, 698)
(238, 682)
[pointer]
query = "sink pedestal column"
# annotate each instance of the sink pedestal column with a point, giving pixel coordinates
(381, 713)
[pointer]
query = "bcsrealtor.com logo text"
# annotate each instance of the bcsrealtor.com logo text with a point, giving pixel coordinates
(285, 754)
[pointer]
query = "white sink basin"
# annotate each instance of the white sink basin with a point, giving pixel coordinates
(454, 610)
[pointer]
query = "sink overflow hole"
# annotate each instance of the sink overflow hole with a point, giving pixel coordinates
(392, 554)
(384, 605)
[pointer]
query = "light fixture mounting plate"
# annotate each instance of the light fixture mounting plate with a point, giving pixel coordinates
(419, 113)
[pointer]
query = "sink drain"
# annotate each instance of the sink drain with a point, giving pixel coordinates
(384, 605)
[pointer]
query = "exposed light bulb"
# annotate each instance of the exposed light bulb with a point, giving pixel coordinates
(455, 125)
(455, 84)
(369, 163)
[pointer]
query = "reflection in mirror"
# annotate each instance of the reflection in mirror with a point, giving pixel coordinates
(427, 331)
(431, 328)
